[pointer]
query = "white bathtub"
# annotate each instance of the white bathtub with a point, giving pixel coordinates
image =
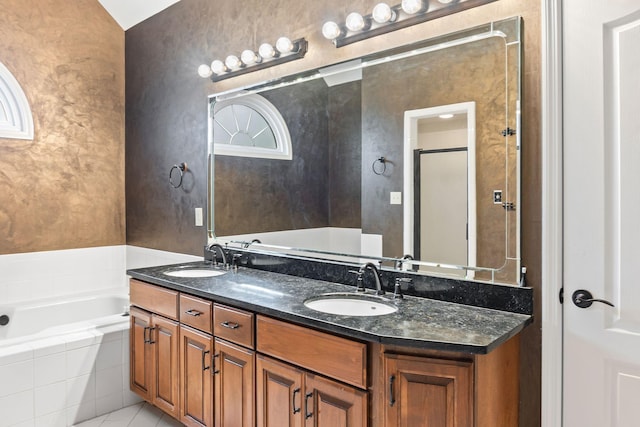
(63, 361)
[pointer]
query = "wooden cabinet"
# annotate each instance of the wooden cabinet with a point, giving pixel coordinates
(424, 392)
(154, 360)
(291, 397)
(234, 369)
(196, 360)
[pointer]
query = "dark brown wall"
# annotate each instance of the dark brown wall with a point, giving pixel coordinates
(64, 189)
(166, 114)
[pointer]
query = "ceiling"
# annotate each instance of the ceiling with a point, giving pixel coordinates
(128, 13)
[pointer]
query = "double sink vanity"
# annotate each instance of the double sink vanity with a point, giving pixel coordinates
(245, 346)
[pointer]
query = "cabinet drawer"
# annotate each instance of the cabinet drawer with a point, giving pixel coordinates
(233, 325)
(336, 357)
(195, 312)
(154, 298)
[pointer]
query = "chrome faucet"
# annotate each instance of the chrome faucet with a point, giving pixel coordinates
(376, 275)
(215, 248)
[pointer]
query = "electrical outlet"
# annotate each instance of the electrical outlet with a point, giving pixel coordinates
(396, 198)
(497, 197)
(198, 217)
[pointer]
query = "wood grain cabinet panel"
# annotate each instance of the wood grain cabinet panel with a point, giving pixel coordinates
(196, 406)
(140, 364)
(196, 312)
(234, 369)
(234, 325)
(279, 394)
(154, 298)
(331, 404)
(424, 392)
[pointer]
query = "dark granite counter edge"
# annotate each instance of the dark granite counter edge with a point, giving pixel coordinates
(330, 327)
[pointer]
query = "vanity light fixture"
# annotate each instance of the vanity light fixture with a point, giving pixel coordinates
(268, 55)
(385, 18)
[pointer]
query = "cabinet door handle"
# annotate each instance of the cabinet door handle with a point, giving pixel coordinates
(307, 414)
(193, 312)
(293, 401)
(151, 341)
(144, 335)
(213, 363)
(204, 356)
(229, 325)
(392, 398)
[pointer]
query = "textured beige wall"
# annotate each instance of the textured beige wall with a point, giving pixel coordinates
(64, 189)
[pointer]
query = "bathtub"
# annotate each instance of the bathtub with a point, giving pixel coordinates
(64, 360)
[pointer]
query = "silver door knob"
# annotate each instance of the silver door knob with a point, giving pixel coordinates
(583, 299)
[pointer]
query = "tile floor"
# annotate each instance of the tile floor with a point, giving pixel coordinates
(139, 415)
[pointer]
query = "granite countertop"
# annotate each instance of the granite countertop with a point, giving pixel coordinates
(419, 322)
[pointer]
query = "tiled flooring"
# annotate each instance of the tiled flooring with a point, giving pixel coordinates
(140, 415)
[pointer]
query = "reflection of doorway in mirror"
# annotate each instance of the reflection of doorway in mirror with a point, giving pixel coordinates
(440, 212)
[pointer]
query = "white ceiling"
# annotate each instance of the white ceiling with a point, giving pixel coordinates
(128, 13)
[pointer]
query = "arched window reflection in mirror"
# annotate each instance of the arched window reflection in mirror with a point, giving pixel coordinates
(249, 126)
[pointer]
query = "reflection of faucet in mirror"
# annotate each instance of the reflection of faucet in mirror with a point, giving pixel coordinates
(376, 276)
(400, 262)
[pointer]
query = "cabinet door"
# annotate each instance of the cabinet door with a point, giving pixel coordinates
(166, 369)
(280, 394)
(140, 354)
(234, 369)
(331, 404)
(196, 404)
(424, 392)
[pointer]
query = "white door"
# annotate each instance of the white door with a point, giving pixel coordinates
(601, 381)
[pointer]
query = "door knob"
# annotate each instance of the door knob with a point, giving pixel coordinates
(583, 299)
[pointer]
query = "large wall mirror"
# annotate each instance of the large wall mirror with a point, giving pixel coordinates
(413, 151)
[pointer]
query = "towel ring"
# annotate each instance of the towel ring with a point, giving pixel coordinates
(379, 171)
(180, 168)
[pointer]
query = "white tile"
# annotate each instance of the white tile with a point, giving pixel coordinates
(50, 369)
(83, 412)
(56, 419)
(80, 339)
(16, 378)
(148, 416)
(81, 389)
(15, 353)
(109, 355)
(50, 398)
(167, 421)
(109, 381)
(109, 403)
(130, 398)
(47, 346)
(93, 422)
(16, 408)
(28, 423)
(81, 361)
(125, 414)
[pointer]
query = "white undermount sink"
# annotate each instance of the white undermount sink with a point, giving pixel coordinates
(349, 304)
(194, 272)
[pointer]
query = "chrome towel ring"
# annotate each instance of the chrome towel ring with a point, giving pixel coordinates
(181, 168)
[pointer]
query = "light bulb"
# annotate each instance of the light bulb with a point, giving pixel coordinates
(331, 30)
(355, 22)
(446, 116)
(412, 6)
(249, 57)
(284, 45)
(266, 51)
(218, 67)
(232, 62)
(383, 13)
(204, 71)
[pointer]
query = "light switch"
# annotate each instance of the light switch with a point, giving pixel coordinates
(198, 217)
(497, 197)
(396, 198)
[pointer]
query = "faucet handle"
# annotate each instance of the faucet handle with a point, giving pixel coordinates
(397, 289)
(359, 281)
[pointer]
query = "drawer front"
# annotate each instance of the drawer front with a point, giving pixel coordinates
(196, 312)
(233, 325)
(326, 354)
(154, 298)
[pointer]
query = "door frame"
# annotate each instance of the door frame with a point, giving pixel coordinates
(411, 118)
(552, 197)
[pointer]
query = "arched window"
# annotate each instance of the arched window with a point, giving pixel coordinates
(16, 120)
(249, 126)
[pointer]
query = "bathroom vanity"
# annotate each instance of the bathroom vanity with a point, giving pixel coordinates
(242, 349)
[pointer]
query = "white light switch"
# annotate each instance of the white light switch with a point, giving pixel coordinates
(198, 217)
(396, 198)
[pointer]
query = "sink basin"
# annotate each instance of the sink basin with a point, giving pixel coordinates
(349, 304)
(194, 272)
